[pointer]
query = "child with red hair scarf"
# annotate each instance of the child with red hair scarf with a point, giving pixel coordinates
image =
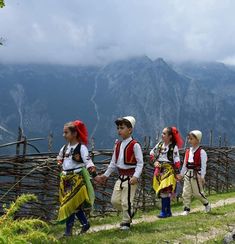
(76, 190)
(165, 156)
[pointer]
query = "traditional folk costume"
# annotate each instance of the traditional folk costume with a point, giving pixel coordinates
(127, 159)
(164, 181)
(194, 168)
(76, 190)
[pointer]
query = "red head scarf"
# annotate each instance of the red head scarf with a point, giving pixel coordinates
(177, 137)
(82, 131)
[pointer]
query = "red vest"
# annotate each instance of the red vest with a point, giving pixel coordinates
(129, 155)
(196, 159)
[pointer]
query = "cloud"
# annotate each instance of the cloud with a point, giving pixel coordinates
(96, 32)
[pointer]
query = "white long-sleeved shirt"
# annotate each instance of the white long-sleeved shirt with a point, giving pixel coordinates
(162, 157)
(190, 159)
(120, 162)
(69, 163)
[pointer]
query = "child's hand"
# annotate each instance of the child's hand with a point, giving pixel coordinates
(157, 164)
(133, 180)
(59, 163)
(203, 181)
(179, 177)
(97, 179)
(156, 171)
(151, 157)
(100, 179)
(59, 160)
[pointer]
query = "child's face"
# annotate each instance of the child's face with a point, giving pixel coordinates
(123, 131)
(68, 135)
(165, 136)
(192, 140)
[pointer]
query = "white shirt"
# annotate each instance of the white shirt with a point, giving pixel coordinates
(190, 159)
(163, 153)
(69, 163)
(120, 162)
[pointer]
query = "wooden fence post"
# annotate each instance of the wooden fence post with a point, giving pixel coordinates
(18, 162)
(50, 142)
(211, 138)
(227, 170)
(19, 139)
(24, 146)
(219, 164)
(225, 140)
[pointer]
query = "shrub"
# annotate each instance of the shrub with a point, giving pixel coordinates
(23, 230)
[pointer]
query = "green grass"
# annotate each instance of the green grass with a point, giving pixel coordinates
(176, 207)
(180, 228)
(164, 230)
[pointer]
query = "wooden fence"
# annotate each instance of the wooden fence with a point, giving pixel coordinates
(39, 174)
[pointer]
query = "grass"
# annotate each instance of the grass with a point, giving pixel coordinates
(176, 207)
(184, 229)
(181, 228)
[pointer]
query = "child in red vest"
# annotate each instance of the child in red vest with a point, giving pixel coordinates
(75, 186)
(165, 156)
(127, 159)
(194, 171)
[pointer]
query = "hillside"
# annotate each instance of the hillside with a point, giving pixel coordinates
(41, 98)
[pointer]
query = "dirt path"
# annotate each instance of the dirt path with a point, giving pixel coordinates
(203, 236)
(149, 219)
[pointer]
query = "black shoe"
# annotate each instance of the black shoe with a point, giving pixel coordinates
(66, 234)
(125, 226)
(85, 228)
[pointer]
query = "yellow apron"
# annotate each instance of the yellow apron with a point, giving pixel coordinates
(164, 179)
(75, 189)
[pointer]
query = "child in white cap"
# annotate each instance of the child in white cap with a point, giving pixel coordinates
(128, 160)
(194, 171)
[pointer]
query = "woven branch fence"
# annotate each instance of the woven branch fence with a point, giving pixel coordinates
(39, 174)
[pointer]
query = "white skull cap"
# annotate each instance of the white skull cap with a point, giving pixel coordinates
(197, 133)
(131, 119)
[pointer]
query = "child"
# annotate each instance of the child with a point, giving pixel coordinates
(165, 156)
(194, 171)
(75, 185)
(128, 160)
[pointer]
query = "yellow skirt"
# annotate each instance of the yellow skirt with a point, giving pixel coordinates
(73, 193)
(165, 179)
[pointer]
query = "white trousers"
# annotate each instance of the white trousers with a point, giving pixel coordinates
(123, 198)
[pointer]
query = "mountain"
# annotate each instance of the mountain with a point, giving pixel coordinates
(41, 98)
(218, 80)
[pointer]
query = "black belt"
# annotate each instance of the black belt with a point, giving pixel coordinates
(193, 175)
(123, 178)
(191, 165)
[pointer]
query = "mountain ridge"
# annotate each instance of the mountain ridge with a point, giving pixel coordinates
(42, 98)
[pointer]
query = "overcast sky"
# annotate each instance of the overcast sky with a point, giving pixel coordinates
(100, 31)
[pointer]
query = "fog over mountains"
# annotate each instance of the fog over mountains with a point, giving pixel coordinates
(41, 98)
